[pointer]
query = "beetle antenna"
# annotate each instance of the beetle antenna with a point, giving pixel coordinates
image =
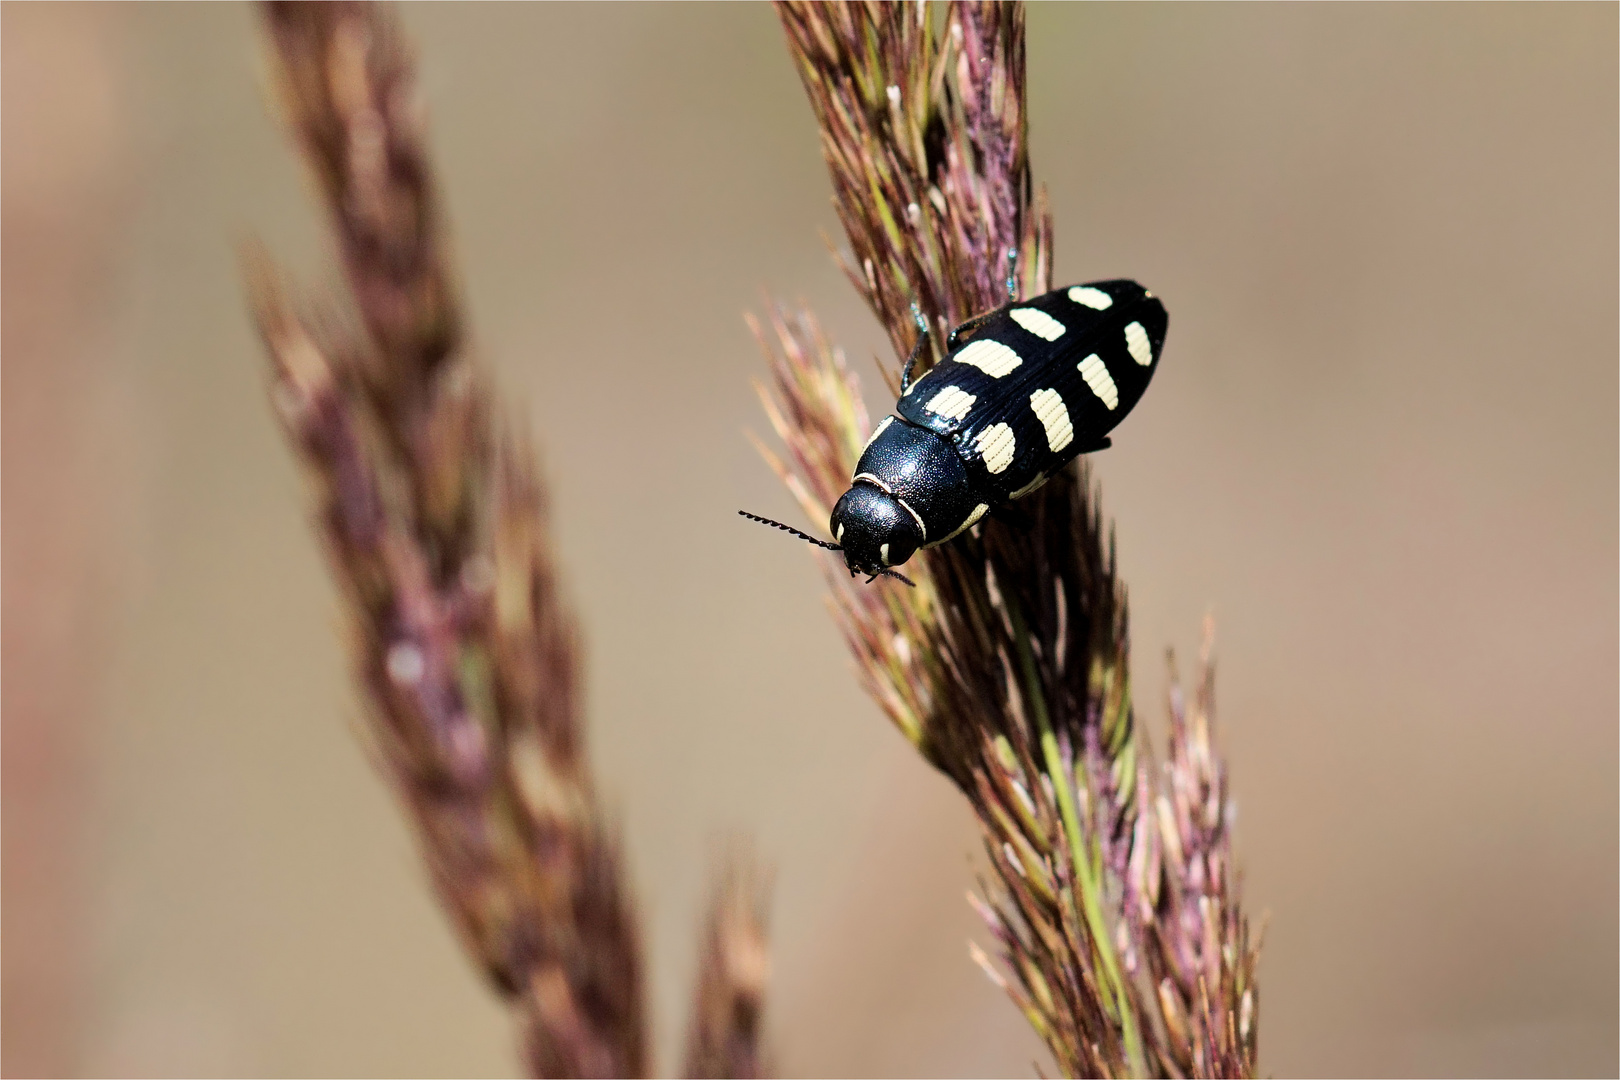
(898, 574)
(790, 529)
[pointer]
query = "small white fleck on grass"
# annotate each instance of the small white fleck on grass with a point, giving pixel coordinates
(406, 665)
(1012, 857)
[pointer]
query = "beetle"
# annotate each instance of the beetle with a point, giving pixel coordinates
(1022, 391)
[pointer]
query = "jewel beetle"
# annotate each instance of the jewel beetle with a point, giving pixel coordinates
(1022, 391)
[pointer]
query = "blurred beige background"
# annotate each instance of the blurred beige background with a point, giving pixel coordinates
(1383, 451)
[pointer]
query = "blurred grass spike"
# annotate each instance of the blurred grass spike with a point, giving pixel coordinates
(734, 970)
(435, 521)
(1123, 944)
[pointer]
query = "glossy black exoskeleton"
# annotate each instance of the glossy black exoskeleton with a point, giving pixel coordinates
(1022, 391)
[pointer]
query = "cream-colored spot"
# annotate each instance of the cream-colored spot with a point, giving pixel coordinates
(839, 535)
(1095, 372)
(1136, 340)
(883, 553)
(1037, 322)
(997, 446)
(1095, 299)
(952, 402)
(887, 420)
(991, 357)
(1054, 417)
(972, 520)
(1029, 487)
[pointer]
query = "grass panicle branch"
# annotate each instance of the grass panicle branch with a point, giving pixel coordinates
(726, 1038)
(1111, 894)
(436, 526)
(1183, 893)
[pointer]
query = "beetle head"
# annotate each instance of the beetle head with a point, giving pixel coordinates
(900, 548)
(875, 530)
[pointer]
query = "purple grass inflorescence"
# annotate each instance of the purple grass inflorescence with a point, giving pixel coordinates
(435, 522)
(1111, 894)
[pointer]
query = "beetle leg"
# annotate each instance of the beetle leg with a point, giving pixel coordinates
(1103, 444)
(950, 342)
(968, 327)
